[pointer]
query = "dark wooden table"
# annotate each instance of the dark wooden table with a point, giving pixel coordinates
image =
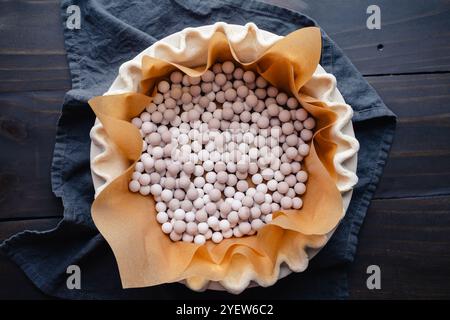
(407, 229)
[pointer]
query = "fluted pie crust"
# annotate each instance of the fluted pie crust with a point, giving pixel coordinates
(187, 48)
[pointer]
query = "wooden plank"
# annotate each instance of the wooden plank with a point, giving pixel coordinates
(14, 283)
(412, 253)
(419, 162)
(32, 54)
(410, 33)
(32, 71)
(27, 137)
(37, 61)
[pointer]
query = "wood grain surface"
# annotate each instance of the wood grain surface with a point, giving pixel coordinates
(411, 73)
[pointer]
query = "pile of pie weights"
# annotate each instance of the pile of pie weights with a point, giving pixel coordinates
(221, 153)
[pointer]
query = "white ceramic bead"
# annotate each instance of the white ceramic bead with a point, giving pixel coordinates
(201, 215)
(302, 176)
(285, 169)
(227, 234)
(187, 237)
(303, 149)
(179, 226)
(259, 197)
(275, 207)
(261, 82)
(208, 234)
(224, 225)
(267, 174)
(139, 167)
(257, 224)
(160, 206)
(242, 185)
(263, 122)
(167, 227)
(291, 180)
(192, 194)
(217, 68)
(284, 116)
(199, 182)
(176, 77)
(199, 203)
(286, 203)
(202, 227)
(189, 216)
(291, 153)
(225, 207)
(236, 205)
(236, 232)
(229, 192)
(228, 67)
(300, 188)
(215, 195)
(231, 168)
(292, 103)
(179, 214)
(199, 239)
(255, 212)
(213, 223)
(306, 134)
(135, 175)
(174, 204)
(272, 185)
(309, 123)
(166, 195)
(233, 217)
(244, 213)
(217, 237)
(262, 188)
(230, 94)
(134, 186)
(249, 76)
(245, 227)
(162, 217)
(238, 73)
(297, 203)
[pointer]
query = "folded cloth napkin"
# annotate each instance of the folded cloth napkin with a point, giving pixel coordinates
(113, 32)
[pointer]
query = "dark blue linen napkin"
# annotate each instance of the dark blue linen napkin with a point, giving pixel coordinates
(113, 32)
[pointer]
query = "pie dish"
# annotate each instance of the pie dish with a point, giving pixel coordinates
(249, 42)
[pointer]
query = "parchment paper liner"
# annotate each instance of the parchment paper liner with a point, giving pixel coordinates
(146, 256)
